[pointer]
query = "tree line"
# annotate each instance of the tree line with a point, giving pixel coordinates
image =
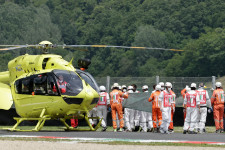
(195, 26)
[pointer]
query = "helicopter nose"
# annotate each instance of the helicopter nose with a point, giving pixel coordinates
(92, 96)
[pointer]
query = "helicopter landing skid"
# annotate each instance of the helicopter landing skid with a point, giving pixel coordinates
(41, 120)
(69, 128)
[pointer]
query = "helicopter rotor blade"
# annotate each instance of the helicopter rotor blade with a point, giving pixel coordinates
(73, 47)
(12, 48)
(125, 47)
(77, 47)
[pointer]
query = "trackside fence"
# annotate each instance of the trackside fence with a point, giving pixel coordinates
(178, 83)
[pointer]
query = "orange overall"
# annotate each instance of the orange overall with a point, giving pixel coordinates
(116, 106)
(217, 101)
(172, 109)
(156, 113)
(183, 92)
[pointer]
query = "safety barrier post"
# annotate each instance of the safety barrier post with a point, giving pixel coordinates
(108, 83)
(157, 79)
(213, 82)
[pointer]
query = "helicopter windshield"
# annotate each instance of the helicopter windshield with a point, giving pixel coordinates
(88, 79)
(68, 82)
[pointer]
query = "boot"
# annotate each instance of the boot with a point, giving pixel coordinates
(155, 130)
(192, 132)
(104, 129)
(136, 128)
(217, 131)
(120, 130)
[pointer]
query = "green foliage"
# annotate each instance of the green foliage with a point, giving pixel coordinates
(26, 25)
(195, 26)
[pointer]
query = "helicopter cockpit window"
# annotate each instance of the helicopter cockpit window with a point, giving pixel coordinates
(40, 85)
(89, 79)
(26, 86)
(18, 88)
(51, 87)
(68, 82)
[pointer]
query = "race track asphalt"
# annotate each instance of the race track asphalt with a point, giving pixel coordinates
(207, 137)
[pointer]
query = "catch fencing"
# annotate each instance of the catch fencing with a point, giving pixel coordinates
(178, 83)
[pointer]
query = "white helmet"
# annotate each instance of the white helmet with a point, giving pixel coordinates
(124, 86)
(162, 85)
(218, 84)
(115, 85)
(102, 88)
(188, 89)
(168, 84)
(130, 87)
(158, 87)
(144, 87)
(193, 85)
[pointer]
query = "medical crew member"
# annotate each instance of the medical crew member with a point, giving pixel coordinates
(61, 84)
(202, 113)
(173, 106)
(145, 116)
(129, 114)
(103, 102)
(124, 88)
(217, 101)
(156, 112)
(116, 106)
(165, 99)
(162, 86)
(191, 104)
(93, 113)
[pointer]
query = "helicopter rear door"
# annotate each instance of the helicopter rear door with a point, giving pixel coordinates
(6, 100)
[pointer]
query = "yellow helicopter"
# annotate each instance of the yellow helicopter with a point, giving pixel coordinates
(45, 87)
